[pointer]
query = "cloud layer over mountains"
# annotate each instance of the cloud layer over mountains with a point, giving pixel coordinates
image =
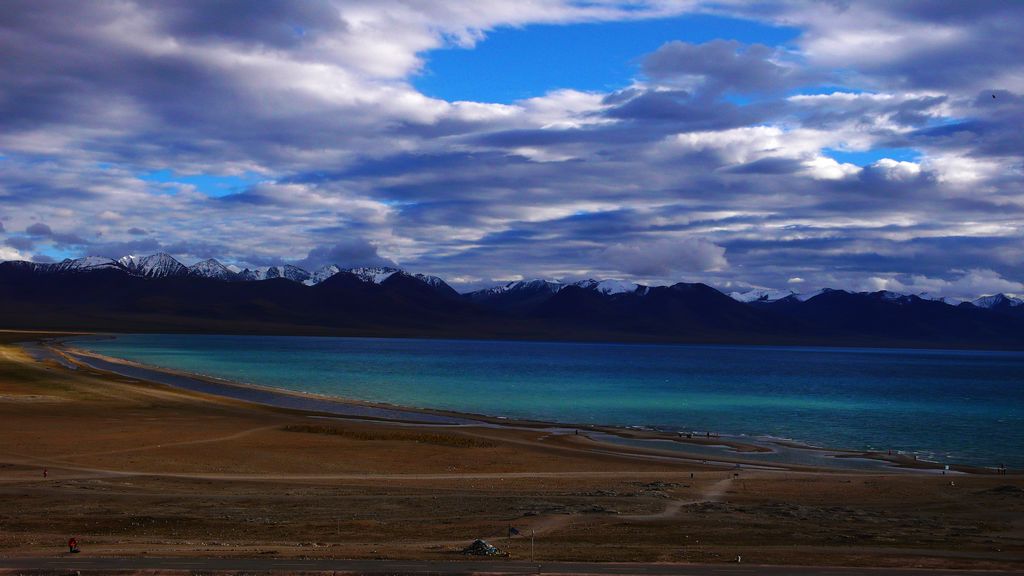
(880, 148)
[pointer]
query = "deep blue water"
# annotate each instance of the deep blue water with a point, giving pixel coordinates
(948, 406)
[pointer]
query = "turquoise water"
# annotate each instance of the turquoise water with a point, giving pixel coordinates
(948, 406)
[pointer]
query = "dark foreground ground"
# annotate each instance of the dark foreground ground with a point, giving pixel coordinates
(255, 565)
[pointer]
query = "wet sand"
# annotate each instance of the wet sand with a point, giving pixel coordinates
(139, 467)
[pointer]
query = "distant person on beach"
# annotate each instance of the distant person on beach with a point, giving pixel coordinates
(45, 472)
(73, 545)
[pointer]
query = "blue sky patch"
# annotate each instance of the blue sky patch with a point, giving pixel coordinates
(825, 89)
(867, 157)
(515, 63)
(209, 184)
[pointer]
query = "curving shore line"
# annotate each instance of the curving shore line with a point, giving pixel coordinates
(715, 450)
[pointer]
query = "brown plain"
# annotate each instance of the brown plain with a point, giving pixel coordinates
(138, 468)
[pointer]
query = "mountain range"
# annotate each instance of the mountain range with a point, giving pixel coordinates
(159, 293)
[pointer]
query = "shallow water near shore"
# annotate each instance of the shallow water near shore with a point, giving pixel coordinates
(946, 406)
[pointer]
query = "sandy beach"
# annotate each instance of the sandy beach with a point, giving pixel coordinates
(134, 467)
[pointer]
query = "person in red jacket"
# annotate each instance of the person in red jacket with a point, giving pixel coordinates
(72, 545)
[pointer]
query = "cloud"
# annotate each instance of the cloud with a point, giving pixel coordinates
(117, 249)
(39, 229)
(349, 253)
(897, 170)
(867, 146)
(20, 242)
(967, 285)
(11, 253)
(665, 258)
(916, 44)
(723, 66)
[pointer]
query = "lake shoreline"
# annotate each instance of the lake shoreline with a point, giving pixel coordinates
(707, 447)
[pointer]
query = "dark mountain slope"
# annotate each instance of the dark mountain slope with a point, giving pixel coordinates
(689, 312)
(884, 317)
(110, 298)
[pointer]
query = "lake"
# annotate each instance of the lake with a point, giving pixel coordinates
(947, 406)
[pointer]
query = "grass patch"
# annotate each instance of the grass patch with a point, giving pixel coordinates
(394, 436)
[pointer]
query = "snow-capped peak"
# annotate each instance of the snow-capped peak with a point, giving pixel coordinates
(889, 295)
(130, 261)
(159, 265)
(809, 295)
(251, 275)
(531, 286)
(549, 285)
(997, 300)
(323, 273)
(375, 274)
(431, 280)
(762, 295)
(86, 263)
(609, 286)
(211, 269)
(293, 273)
(951, 300)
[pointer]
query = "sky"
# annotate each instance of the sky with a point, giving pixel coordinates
(789, 145)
